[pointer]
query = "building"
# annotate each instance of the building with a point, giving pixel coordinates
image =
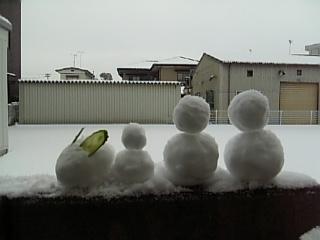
(5, 28)
(72, 73)
(290, 83)
(97, 101)
(11, 9)
(171, 69)
(313, 49)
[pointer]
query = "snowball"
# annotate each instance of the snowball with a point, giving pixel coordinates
(190, 159)
(133, 166)
(191, 114)
(249, 110)
(75, 169)
(254, 156)
(134, 136)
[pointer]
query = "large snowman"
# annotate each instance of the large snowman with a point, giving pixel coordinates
(254, 154)
(191, 157)
(133, 165)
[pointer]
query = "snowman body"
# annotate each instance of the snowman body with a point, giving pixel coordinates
(74, 168)
(133, 164)
(191, 157)
(254, 154)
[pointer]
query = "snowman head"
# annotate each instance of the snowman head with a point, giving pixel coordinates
(191, 114)
(134, 136)
(249, 110)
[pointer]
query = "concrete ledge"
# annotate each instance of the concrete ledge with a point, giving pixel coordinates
(255, 214)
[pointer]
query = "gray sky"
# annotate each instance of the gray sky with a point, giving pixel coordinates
(115, 33)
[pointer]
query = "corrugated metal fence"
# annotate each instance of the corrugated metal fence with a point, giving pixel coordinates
(93, 101)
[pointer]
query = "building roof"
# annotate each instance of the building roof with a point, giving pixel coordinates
(4, 23)
(252, 58)
(89, 81)
(75, 68)
(149, 64)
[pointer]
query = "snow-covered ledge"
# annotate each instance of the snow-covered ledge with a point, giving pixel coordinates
(37, 208)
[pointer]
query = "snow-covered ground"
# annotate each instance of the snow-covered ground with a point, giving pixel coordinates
(29, 167)
(33, 149)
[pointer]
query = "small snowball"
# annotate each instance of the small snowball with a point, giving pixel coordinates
(191, 114)
(190, 159)
(133, 166)
(75, 169)
(134, 136)
(249, 110)
(254, 156)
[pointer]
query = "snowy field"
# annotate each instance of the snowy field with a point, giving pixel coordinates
(33, 149)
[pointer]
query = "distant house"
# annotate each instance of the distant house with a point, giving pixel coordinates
(291, 83)
(172, 69)
(11, 10)
(73, 73)
(313, 49)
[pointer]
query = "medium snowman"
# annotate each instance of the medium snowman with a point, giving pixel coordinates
(133, 165)
(191, 157)
(255, 154)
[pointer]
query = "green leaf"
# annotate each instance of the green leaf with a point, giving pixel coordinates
(92, 143)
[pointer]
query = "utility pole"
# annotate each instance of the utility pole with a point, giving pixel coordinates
(47, 76)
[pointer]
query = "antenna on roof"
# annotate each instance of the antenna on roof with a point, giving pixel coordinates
(80, 57)
(290, 43)
(74, 59)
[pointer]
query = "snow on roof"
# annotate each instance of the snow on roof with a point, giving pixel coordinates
(4, 23)
(298, 59)
(90, 81)
(148, 64)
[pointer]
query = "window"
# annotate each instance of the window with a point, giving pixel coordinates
(210, 98)
(135, 78)
(249, 73)
(183, 76)
(197, 94)
(299, 72)
(70, 77)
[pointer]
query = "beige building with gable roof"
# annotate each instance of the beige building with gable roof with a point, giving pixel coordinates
(290, 83)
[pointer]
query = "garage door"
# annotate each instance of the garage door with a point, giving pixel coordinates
(299, 103)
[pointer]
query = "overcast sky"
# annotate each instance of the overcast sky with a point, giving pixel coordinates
(115, 33)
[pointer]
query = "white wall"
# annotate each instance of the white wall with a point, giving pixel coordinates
(3, 92)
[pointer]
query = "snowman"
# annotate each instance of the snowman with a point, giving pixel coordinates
(85, 163)
(133, 165)
(255, 154)
(191, 157)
